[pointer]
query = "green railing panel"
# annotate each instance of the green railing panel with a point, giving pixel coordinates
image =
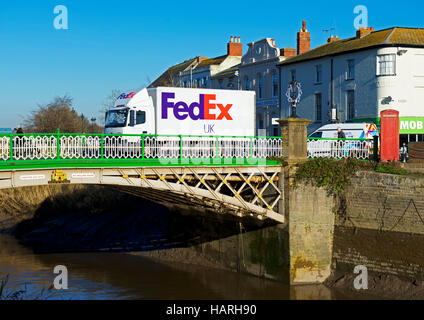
(36, 150)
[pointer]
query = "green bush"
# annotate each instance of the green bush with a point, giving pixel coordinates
(334, 175)
(390, 167)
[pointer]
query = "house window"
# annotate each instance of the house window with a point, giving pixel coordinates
(318, 74)
(260, 84)
(275, 84)
(260, 121)
(386, 65)
(350, 104)
(350, 73)
(246, 83)
(318, 107)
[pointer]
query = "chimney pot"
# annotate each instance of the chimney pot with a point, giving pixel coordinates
(303, 40)
(234, 47)
(333, 39)
(362, 32)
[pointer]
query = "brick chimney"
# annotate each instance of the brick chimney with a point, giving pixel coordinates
(333, 39)
(303, 40)
(362, 32)
(200, 59)
(234, 47)
(288, 52)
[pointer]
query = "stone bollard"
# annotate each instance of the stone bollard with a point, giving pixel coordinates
(308, 212)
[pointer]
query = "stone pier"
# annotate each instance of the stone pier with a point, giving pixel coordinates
(308, 211)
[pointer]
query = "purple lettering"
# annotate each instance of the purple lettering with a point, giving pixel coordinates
(200, 106)
(181, 110)
(166, 104)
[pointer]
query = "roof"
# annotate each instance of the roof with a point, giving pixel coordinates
(211, 61)
(227, 72)
(166, 78)
(395, 36)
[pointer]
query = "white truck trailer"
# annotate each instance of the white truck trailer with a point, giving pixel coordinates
(183, 111)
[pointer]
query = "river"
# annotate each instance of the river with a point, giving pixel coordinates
(107, 275)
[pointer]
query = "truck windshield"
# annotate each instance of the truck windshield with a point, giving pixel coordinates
(116, 118)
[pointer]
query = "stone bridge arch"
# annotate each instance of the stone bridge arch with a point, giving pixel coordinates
(241, 191)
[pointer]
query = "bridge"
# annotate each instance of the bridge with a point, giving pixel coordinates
(236, 175)
(242, 176)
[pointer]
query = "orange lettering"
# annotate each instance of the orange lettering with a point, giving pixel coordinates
(209, 106)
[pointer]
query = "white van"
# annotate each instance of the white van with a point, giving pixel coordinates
(351, 131)
(319, 146)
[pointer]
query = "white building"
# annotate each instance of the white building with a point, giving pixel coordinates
(258, 71)
(356, 78)
(227, 79)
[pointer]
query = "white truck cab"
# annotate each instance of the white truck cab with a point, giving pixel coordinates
(133, 113)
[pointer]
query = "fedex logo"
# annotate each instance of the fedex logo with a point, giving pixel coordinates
(127, 96)
(205, 108)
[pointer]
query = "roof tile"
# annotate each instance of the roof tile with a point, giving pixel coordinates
(393, 36)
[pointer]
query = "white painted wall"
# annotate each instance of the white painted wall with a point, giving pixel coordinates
(262, 58)
(406, 88)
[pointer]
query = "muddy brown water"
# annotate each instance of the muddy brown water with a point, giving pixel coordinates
(105, 275)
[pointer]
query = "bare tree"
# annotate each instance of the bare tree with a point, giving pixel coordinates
(58, 114)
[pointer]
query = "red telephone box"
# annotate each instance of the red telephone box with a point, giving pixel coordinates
(389, 135)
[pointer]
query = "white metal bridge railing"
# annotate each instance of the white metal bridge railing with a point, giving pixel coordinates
(101, 146)
(340, 148)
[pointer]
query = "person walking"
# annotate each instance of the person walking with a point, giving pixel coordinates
(21, 143)
(340, 133)
(404, 153)
(340, 143)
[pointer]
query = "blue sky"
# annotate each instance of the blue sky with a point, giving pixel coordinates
(121, 44)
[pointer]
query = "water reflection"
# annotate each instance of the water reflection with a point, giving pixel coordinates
(124, 276)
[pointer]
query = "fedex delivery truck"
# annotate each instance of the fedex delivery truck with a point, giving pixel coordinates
(183, 111)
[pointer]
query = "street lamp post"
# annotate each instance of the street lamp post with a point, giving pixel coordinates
(293, 94)
(237, 74)
(93, 120)
(191, 76)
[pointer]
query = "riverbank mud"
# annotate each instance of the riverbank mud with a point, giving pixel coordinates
(93, 219)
